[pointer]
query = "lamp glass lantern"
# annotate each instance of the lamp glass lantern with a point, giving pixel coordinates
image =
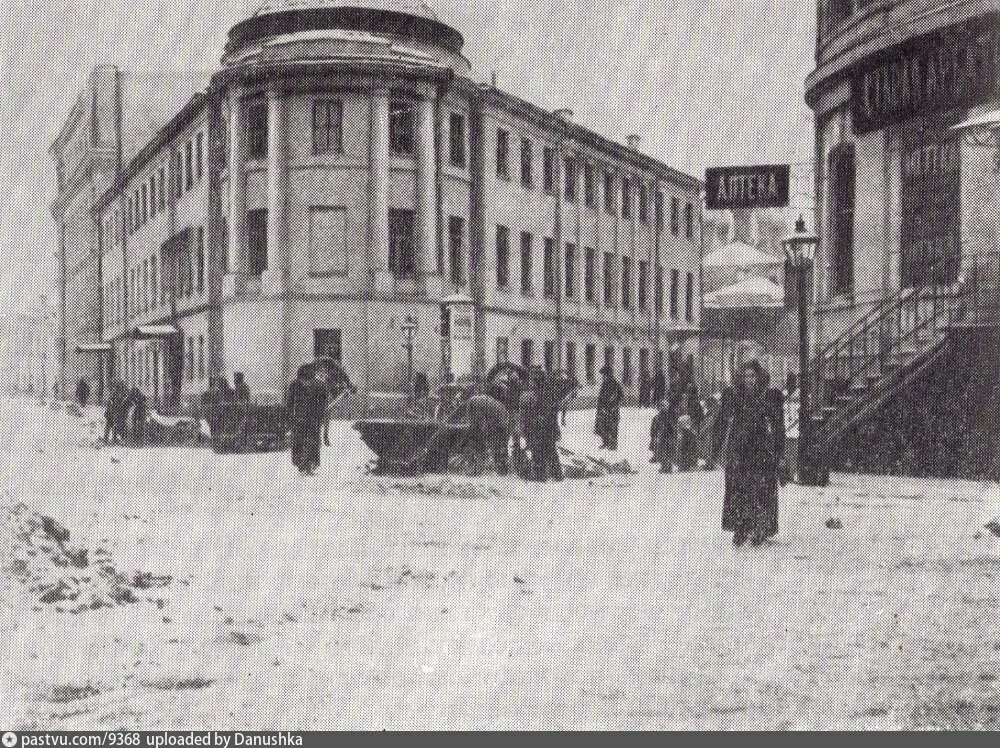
(800, 247)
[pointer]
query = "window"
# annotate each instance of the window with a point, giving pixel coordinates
(199, 155)
(675, 216)
(162, 191)
(328, 126)
(527, 173)
(675, 282)
(503, 257)
(527, 352)
(658, 210)
(689, 299)
(327, 343)
(571, 359)
(526, 270)
(165, 285)
(550, 355)
(256, 241)
(144, 205)
(327, 240)
(456, 139)
(643, 203)
(548, 169)
(643, 364)
(401, 242)
(609, 285)
(588, 185)
(256, 132)
(199, 259)
(201, 357)
(658, 292)
(400, 127)
(570, 177)
(549, 270)
(502, 350)
(626, 282)
(569, 269)
(641, 296)
(609, 358)
(189, 165)
(189, 256)
(626, 366)
(152, 195)
(145, 286)
(842, 221)
(190, 359)
(456, 249)
(626, 197)
(689, 221)
(590, 362)
(503, 154)
(609, 193)
(588, 274)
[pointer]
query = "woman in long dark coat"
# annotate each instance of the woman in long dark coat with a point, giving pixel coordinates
(751, 442)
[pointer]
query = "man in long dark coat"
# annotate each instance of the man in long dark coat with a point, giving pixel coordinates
(306, 412)
(750, 439)
(113, 427)
(539, 418)
(609, 403)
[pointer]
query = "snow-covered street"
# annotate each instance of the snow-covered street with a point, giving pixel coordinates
(349, 600)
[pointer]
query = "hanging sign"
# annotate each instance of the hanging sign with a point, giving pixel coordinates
(747, 187)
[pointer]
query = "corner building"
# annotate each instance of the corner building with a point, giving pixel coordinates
(904, 201)
(343, 175)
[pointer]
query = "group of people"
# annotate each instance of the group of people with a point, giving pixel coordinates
(125, 414)
(673, 434)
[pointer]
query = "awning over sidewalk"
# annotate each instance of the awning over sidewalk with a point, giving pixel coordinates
(93, 348)
(154, 332)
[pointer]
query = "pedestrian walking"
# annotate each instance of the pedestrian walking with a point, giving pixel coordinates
(609, 402)
(306, 405)
(539, 422)
(658, 387)
(751, 442)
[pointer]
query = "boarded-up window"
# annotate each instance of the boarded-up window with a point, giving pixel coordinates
(327, 240)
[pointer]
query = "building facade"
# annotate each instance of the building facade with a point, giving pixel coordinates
(344, 178)
(904, 200)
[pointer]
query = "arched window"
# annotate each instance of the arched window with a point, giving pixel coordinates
(842, 181)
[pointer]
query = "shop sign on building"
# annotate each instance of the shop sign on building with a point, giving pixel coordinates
(746, 187)
(955, 67)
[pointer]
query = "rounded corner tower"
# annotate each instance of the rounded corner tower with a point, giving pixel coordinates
(404, 33)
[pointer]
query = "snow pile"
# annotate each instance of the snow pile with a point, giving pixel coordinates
(38, 555)
(579, 465)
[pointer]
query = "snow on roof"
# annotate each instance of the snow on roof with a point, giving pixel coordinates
(747, 294)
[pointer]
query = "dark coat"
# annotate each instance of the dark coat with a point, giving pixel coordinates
(489, 431)
(306, 412)
(661, 436)
(750, 440)
(609, 403)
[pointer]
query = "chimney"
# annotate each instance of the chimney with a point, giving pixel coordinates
(633, 142)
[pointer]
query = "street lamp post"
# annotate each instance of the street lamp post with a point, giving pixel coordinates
(800, 248)
(409, 328)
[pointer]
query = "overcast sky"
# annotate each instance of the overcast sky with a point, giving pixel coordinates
(704, 82)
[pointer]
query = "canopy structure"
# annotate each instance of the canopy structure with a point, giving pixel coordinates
(93, 348)
(154, 332)
(988, 120)
(739, 255)
(749, 293)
